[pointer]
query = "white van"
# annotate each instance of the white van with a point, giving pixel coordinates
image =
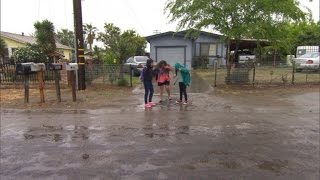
(301, 50)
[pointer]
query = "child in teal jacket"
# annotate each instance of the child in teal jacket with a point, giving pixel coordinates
(184, 79)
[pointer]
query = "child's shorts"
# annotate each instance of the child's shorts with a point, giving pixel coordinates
(167, 83)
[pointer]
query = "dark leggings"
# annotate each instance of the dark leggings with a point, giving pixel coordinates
(148, 91)
(183, 91)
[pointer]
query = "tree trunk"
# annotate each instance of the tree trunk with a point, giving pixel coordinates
(228, 61)
(274, 57)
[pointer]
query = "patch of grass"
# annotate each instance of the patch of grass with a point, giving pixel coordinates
(263, 76)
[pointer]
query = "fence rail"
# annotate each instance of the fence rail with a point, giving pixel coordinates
(94, 73)
(108, 74)
(8, 75)
(262, 75)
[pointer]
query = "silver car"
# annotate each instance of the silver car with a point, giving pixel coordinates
(308, 61)
(137, 63)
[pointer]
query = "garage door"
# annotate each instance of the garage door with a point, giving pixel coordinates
(171, 54)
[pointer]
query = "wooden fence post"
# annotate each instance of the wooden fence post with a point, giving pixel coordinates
(293, 71)
(26, 88)
(73, 86)
(56, 77)
(215, 74)
(254, 74)
(41, 84)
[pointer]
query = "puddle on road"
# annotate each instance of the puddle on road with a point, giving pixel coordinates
(231, 164)
(52, 137)
(56, 133)
(155, 135)
(275, 165)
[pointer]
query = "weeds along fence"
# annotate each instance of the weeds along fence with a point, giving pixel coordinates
(259, 75)
(108, 74)
(94, 74)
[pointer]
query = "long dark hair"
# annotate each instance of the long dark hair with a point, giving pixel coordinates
(149, 63)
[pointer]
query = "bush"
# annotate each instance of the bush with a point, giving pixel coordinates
(122, 82)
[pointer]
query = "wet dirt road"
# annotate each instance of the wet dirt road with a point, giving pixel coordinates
(237, 137)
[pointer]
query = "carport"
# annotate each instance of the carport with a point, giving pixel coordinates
(248, 44)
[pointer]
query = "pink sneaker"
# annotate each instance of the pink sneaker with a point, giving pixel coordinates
(152, 103)
(147, 106)
(185, 103)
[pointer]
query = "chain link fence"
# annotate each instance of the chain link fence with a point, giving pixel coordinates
(108, 74)
(258, 75)
(94, 74)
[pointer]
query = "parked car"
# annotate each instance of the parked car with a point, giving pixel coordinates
(243, 56)
(137, 63)
(308, 61)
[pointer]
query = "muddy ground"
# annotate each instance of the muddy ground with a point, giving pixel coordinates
(223, 134)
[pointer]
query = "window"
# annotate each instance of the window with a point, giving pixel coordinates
(6, 52)
(6, 56)
(142, 59)
(130, 60)
(208, 50)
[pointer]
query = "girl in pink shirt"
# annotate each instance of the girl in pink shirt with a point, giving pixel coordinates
(163, 78)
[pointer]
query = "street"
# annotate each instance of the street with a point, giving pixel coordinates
(260, 136)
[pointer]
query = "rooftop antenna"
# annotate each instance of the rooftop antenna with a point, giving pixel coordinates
(157, 31)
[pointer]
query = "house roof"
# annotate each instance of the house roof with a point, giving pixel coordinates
(244, 43)
(28, 39)
(181, 34)
(56, 53)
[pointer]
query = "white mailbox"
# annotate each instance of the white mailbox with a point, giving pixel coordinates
(37, 66)
(71, 66)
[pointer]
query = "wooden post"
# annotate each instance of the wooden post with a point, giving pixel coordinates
(293, 71)
(215, 74)
(73, 86)
(131, 75)
(57, 84)
(254, 74)
(26, 88)
(41, 84)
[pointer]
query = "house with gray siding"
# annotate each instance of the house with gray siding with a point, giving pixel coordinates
(187, 49)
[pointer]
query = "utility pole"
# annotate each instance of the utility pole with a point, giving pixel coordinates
(77, 12)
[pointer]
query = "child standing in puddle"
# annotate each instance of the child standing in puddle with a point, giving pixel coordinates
(163, 78)
(183, 78)
(146, 77)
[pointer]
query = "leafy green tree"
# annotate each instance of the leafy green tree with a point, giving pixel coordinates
(297, 34)
(236, 19)
(3, 47)
(45, 36)
(109, 58)
(310, 35)
(110, 37)
(66, 37)
(97, 53)
(122, 45)
(131, 44)
(30, 53)
(90, 34)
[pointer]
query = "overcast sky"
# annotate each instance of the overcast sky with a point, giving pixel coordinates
(144, 16)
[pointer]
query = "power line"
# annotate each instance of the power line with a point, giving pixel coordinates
(38, 9)
(133, 12)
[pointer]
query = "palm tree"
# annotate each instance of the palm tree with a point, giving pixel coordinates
(45, 36)
(3, 47)
(90, 33)
(66, 37)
